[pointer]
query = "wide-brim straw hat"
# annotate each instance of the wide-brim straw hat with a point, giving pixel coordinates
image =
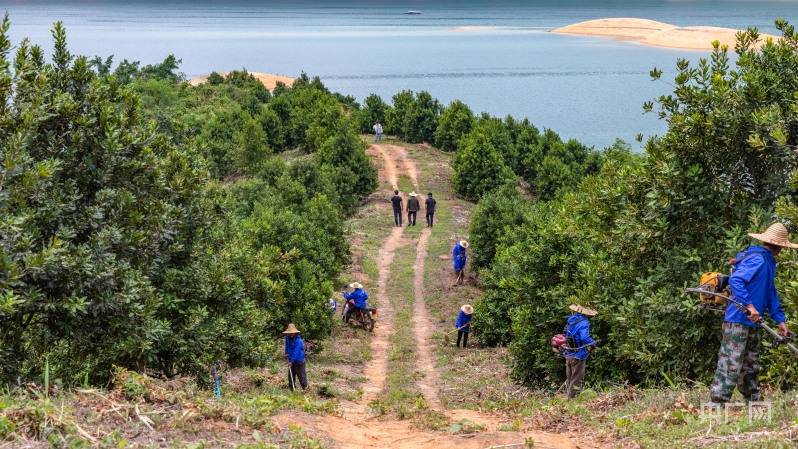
(464, 243)
(291, 329)
(413, 194)
(356, 285)
(467, 309)
(775, 234)
(587, 311)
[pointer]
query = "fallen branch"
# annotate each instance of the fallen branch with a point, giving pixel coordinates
(115, 408)
(144, 418)
(84, 434)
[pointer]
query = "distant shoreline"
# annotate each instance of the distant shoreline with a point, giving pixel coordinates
(269, 80)
(657, 34)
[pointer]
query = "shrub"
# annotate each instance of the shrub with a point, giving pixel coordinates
(344, 161)
(96, 203)
(478, 167)
(374, 110)
(496, 213)
(455, 122)
(414, 118)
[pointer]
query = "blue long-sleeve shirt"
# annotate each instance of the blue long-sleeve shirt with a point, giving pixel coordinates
(462, 319)
(459, 257)
(295, 349)
(359, 296)
(754, 282)
(578, 328)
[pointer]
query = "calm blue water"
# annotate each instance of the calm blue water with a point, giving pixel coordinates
(588, 88)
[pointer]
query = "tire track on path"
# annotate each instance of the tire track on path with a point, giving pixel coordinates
(395, 158)
(422, 330)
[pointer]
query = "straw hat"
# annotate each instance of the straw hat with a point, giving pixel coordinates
(413, 194)
(587, 311)
(776, 234)
(467, 309)
(355, 285)
(291, 329)
(464, 243)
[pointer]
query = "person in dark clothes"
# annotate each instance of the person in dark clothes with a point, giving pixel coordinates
(295, 353)
(396, 201)
(430, 209)
(463, 324)
(412, 208)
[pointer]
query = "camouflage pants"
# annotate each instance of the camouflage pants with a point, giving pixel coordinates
(738, 364)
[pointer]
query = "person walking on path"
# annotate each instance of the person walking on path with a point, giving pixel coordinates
(412, 208)
(377, 131)
(579, 345)
(463, 324)
(396, 201)
(459, 259)
(295, 353)
(752, 284)
(429, 206)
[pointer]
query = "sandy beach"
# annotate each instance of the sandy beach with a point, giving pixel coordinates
(269, 80)
(658, 34)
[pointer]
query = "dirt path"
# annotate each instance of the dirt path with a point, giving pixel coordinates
(377, 369)
(422, 330)
(395, 159)
(355, 429)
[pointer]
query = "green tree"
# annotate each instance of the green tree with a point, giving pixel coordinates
(252, 147)
(396, 119)
(479, 167)
(95, 202)
(414, 117)
(374, 110)
(456, 121)
(496, 213)
(348, 166)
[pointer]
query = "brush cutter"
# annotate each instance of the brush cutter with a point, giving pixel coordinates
(291, 381)
(559, 345)
(216, 378)
(447, 336)
(780, 339)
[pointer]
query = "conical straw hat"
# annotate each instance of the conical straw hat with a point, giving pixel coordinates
(355, 285)
(775, 234)
(587, 311)
(291, 329)
(464, 243)
(413, 194)
(467, 309)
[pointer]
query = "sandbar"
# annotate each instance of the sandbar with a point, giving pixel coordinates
(269, 80)
(658, 34)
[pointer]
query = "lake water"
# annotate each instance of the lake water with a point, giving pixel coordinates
(582, 87)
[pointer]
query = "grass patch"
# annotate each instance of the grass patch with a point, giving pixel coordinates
(174, 411)
(401, 396)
